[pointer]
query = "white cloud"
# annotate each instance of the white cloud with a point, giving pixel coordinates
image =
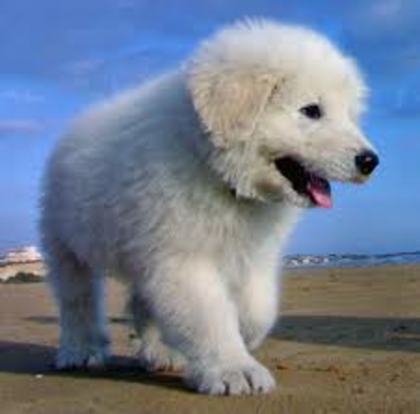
(386, 9)
(21, 96)
(20, 126)
(83, 67)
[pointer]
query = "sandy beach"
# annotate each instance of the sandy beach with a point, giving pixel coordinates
(347, 341)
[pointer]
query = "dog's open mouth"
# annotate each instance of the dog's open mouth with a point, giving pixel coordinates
(304, 182)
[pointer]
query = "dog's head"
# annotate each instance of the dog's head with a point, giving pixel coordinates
(280, 107)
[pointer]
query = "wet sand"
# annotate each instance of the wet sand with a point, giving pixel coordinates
(347, 341)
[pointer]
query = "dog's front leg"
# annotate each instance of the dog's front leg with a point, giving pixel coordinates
(190, 302)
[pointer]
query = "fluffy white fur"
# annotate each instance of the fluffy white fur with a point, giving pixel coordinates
(172, 188)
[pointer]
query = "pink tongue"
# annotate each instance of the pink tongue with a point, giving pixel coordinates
(320, 194)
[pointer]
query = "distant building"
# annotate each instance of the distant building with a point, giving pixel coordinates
(24, 254)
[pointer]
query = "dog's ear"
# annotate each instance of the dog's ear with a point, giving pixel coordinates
(228, 100)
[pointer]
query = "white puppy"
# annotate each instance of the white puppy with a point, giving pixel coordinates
(186, 189)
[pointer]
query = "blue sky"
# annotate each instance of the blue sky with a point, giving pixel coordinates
(59, 57)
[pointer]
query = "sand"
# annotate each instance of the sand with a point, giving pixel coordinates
(347, 341)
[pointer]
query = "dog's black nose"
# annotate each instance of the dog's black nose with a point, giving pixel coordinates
(366, 162)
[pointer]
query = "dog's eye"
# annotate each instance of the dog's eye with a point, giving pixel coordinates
(312, 111)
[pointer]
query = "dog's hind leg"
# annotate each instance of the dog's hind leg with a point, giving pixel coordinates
(152, 353)
(79, 294)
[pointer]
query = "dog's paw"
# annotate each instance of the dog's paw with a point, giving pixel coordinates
(251, 378)
(158, 357)
(90, 358)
